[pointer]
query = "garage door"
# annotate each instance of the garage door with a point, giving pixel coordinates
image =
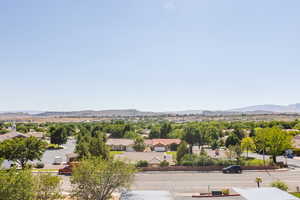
(160, 149)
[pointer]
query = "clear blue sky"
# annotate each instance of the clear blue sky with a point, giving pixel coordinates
(148, 54)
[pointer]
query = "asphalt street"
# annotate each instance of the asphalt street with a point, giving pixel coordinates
(182, 184)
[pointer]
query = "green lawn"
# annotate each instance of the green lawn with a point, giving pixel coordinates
(45, 170)
(296, 194)
(112, 153)
(173, 153)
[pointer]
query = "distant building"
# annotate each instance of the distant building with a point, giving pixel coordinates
(11, 135)
(158, 145)
(120, 144)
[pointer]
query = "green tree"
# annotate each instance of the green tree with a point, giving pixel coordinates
(239, 132)
(97, 179)
(59, 135)
(139, 144)
(131, 135)
(192, 136)
(274, 140)
(247, 144)
(97, 147)
(22, 150)
(47, 187)
(154, 132)
(232, 140)
(16, 185)
(182, 150)
(82, 149)
(237, 152)
(165, 129)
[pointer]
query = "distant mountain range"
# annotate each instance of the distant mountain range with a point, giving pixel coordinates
(292, 108)
(101, 113)
(258, 109)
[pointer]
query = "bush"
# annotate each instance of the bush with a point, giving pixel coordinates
(225, 162)
(296, 151)
(164, 163)
(280, 185)
(225, 191)
(187, 163)
(200, 160)
(3, 131)
(54, 146)
(39, 165)
(142, 163)
(29, 166)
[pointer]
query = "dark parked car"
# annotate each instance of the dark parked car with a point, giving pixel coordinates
(290, 156)
(232, 169)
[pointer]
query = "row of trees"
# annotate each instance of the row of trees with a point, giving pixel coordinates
(272, 141)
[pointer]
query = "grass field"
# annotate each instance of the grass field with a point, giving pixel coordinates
(296, 194)
(173, 153)
(112, 153)
(45, 170)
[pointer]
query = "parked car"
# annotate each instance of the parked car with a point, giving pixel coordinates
(67, 170)
(58, 160)
(232, 169)
(290, 156)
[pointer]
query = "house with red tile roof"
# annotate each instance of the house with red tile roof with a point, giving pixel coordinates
(158, 145)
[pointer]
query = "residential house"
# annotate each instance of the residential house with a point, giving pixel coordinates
(162, 145)
(158, 145)
(11, 135)
(120, 144)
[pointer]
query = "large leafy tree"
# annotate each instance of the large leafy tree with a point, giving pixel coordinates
(247, 144)
(192, 136)
(97, 147)
(22, 150)
(273, 140)
(232, 140)
(59, 135)
(97, 179)
(165, 129)
(154, 132)
(182, 150)
(16, 185)
(139, 144)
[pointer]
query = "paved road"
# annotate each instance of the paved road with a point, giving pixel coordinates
(187, 183)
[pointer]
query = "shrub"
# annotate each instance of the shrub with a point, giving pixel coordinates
(54, 146)
(164, 163)
(3, 131)
(296, 151)
(187, 163)
(280, 185)
(39, 165)
(225, 162)
(29, 166)
(200, 160)
(142, 163)
(225, 191)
